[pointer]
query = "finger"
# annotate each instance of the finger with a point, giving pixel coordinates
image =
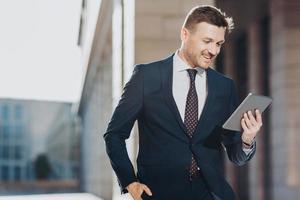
(248, 123)
(251, 118)
(258, 117)
(244, 126)
(147, 190)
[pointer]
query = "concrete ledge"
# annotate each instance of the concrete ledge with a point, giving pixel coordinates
(71, 196)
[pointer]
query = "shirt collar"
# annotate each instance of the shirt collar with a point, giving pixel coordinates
(180, 65)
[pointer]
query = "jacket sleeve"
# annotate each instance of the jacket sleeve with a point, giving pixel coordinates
(120, 126)
(232, 139)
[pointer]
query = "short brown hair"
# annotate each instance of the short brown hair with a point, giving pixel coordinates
(208, 14)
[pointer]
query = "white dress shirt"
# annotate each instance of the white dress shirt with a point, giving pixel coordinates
(181, 85)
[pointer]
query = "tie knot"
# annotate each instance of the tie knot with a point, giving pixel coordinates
(192, 74)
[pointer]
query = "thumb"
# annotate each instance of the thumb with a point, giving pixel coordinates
(147, 190)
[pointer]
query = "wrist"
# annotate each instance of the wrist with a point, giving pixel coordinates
(248, 140)
(130, 185)
(248, 144)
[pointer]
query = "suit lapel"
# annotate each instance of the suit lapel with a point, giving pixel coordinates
(166, 70)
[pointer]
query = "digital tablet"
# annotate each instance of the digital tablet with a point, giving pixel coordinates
(251, 102)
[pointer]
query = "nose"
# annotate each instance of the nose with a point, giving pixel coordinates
(213, 50)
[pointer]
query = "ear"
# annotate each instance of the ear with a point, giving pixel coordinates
(184, 34)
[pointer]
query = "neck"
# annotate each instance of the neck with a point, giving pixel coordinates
(184, 57)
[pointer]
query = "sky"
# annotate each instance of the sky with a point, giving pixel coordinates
(39, 56)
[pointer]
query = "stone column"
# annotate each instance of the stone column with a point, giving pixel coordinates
(285, 90)
(229, 70)
(255, 82)
(123, 56)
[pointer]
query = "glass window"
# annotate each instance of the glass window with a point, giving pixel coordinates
(18, 152)
(1, 152)
(6, 132)
(18, 131)
(18, 112)
(74, 172)
(5, 112)
(6, 152)
(4, 173)
(1, 133)
(17, 173)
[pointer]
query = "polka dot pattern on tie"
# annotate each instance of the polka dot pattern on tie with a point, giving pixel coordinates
(191, 114)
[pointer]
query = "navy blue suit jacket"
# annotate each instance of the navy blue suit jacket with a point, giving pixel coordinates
(165, 150)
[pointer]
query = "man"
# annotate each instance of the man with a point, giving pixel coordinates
(180, 104)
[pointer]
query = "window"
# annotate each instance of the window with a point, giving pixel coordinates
(18, 131)
(18, 152)
(5, 112)
(1, 151)
(4, 173)
(17, 173)
(5, 152)
(6, 132)
(18, 112)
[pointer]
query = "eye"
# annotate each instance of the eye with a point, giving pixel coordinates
(206, 41)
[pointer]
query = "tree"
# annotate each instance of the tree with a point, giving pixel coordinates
(42, 167)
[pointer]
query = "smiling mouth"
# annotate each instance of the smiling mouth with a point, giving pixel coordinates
(207, 58)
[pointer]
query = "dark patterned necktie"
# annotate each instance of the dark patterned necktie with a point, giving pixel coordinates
(191, 114)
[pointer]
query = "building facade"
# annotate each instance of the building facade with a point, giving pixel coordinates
(14, 142)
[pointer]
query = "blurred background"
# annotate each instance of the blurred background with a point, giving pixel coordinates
(63, 66)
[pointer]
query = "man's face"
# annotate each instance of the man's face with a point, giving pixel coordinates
(202, 45)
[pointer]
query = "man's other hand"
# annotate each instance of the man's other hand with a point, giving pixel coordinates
(136, 190)
(251, 126)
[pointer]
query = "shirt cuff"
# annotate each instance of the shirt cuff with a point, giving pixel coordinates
(247, 151)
